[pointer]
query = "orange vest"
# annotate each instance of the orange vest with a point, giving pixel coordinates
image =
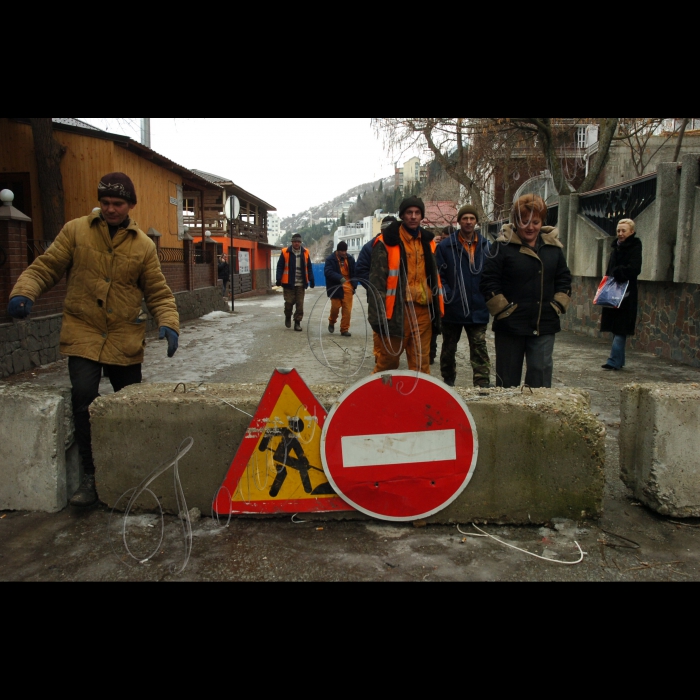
(285, 275)
(392, 282)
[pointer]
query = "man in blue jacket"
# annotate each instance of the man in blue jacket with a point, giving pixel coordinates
(295, 274)
(460, 258)
(341, 284)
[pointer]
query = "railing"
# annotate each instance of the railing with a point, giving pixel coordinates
(36, 248)
(220, 227)
(171, 255)
(203, 257)
(606, 207)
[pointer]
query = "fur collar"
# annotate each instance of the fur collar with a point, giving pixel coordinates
(549, 235)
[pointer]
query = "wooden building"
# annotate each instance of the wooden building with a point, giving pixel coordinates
(90, 154)
(248, 249)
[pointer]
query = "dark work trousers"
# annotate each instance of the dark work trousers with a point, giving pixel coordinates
(511, 350)
(478, 352)
(294, 297)
(85, 378)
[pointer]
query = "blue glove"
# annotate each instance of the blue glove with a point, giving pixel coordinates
(172, 339)
(19, 307)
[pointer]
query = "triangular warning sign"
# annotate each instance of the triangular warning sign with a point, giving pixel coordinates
(278, 467)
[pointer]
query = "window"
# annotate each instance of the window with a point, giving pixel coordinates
(188, 206)
(581, 137)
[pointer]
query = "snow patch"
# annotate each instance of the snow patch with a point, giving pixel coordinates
(215, 314)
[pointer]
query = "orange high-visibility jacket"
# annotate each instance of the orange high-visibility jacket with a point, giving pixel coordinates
(285, 274)
(392, 282)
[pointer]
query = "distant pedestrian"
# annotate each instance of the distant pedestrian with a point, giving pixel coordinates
(527, 286)
(341, 284)
(295, 274)
(461, 258)
(224, 273)
(407, 305)
(112, 267)
(625, 265)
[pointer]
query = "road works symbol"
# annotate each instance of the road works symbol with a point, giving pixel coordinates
(277, 468)
(399, 446)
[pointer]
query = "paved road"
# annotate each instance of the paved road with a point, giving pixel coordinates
(244, 348)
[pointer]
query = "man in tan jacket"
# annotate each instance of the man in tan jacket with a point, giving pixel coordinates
(112, 266)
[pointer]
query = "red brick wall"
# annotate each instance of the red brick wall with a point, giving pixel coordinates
(204, 276)
(175, 276)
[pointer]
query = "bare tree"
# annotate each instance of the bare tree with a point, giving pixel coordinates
(476, 152)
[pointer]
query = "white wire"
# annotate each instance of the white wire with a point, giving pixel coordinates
(524, 551)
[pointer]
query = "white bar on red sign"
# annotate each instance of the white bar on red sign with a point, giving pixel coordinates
(399, 448)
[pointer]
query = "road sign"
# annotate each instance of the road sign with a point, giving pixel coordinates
(232, 208)
(277, 468)
(399, 446)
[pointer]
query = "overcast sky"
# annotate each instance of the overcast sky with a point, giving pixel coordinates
(292, 164)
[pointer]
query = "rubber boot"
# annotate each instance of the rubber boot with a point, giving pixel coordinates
(86, 495)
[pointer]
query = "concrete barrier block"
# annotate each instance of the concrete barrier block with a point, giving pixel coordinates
(541, 455)
(36, 430)
(659, 446)
(141, 427)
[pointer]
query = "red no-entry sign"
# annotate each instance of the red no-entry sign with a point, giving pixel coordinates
(399, 446)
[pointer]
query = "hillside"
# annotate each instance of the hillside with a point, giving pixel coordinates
(332, 209)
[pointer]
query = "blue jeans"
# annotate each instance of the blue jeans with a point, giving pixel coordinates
(617, 354)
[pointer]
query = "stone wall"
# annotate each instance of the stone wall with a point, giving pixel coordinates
(32, 343)
(668, 319)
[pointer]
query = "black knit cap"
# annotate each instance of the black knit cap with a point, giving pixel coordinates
(412, 202)
(117, 185)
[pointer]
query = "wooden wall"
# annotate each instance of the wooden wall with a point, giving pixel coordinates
(85, 162)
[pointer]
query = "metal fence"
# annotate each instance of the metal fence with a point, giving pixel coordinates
(171, 255)
(605, 208)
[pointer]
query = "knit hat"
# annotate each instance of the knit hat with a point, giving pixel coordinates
(412, 202)
(117, 185)
(388, 221)
(296, 237)
(467, 209)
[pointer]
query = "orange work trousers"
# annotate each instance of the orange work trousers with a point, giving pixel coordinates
(418, 331)
(346, 305)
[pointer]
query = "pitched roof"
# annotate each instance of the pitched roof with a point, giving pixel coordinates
(216, 179)
(72, 121)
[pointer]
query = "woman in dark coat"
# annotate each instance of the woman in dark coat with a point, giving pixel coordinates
(527, 286)
(625, 266)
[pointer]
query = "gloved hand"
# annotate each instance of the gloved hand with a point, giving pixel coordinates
(172, 339)
(343, 280)
(19, 307)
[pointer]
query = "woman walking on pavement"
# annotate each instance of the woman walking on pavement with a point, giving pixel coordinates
(625, 265)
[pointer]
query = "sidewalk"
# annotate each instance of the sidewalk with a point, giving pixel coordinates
(245, 347)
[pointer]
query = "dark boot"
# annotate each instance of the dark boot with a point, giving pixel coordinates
(450, 381)
(86, 495)
(288, 321)
(297, 326)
